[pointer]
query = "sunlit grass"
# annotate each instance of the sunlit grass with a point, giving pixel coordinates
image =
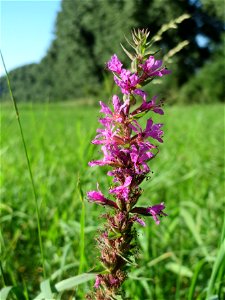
(175, 259)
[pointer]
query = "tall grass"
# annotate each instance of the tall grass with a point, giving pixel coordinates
(180, 259)
(28, 166)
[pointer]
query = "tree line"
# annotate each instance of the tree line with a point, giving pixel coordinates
(88, 32)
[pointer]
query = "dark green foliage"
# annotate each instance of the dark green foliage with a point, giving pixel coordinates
(84, 35)
(27, 75)
(207, 85)
(214, 8)
(87, 33)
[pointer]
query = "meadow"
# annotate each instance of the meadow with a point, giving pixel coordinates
(182, 258)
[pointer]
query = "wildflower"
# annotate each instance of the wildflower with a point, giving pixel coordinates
(154, 211)
(153, 67)
(98, 197)
(148, 106)
(122, 191)
(127, 81)
(97, 281)
(114, 64)
(127, 149)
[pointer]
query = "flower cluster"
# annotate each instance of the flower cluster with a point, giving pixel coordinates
(125, 145)
(127, 148)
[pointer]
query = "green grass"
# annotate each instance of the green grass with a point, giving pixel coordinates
(180, 259)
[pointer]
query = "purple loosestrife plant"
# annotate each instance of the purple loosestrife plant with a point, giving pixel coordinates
(127, 148)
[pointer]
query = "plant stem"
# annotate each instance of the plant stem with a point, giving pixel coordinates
(29, 167)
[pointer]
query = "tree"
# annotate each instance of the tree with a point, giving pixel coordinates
(88, 32)
(207, 85)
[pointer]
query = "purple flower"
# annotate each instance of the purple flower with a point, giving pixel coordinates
(151, 130)
(139, 156)
(147, 106)
(140, 221)
(98, 198)
(154, 211)
(120, 108)
(120, 173)
(113, 281)
(108, 158)
(98, 281)
(141, 93)
(113, 117)
(127, 81)
(105, 109)
(107, 136)
(114, 64)
(153, 67)
(122, 191)
(116, 103)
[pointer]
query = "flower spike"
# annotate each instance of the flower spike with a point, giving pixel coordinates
(127, 149)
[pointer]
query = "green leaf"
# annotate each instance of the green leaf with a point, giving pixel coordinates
(192, 227)
(160, 258)
(197, 271)
(114, 235)
(133, 46)
(72, 282)
(80, 190)
(5, 292)
(46, 289)
(64, 268)
(139, 115)
(118, 297)
(128, 53)
(179, 269)
(213, 297)
(216, 267)
(134, 65)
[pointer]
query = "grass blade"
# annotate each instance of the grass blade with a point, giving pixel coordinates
(5, 292)
(72, 282)
(28, 165)
(217, 267)
(46, 289)
(179, 269)
(191, 225)
(82, 227)
(198, 268)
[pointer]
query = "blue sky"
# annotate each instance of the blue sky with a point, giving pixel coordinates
(27, 29)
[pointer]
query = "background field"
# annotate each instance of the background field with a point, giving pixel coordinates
(188, 177)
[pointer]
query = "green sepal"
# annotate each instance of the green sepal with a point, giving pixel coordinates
(132, 57)
(139, 115)
(147, 81)
(114, 235)
(126, 146)
(134, 65)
